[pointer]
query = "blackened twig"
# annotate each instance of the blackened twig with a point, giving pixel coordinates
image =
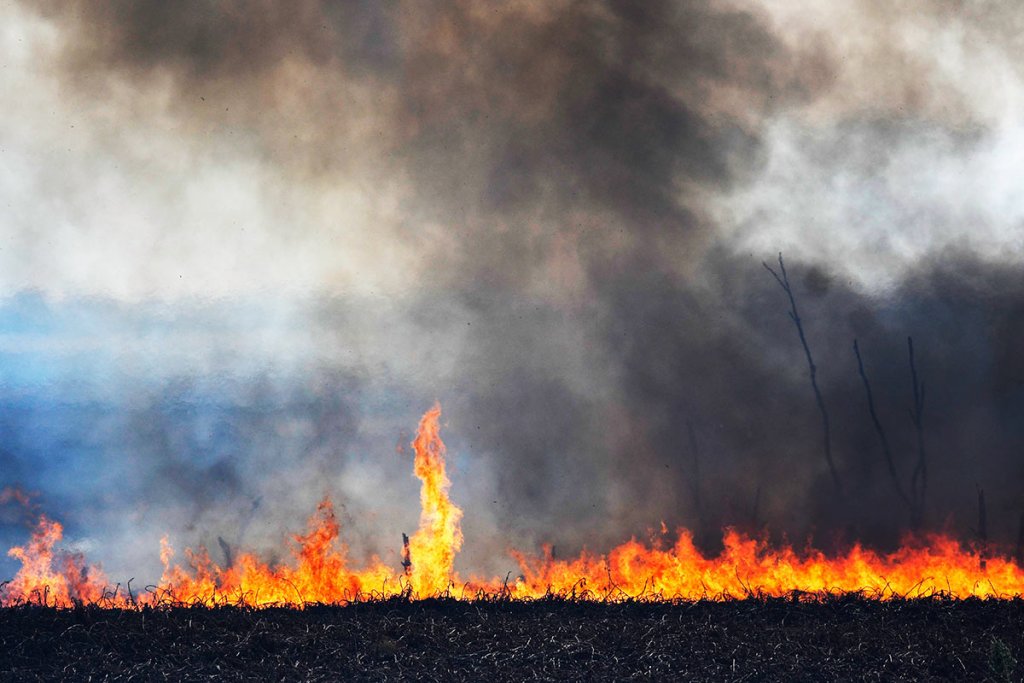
(886, 450)
(794, 315)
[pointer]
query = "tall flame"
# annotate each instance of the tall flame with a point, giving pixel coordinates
(433, 547)
(320, 571)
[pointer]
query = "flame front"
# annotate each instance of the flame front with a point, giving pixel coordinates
(937, 566)
(320, 570)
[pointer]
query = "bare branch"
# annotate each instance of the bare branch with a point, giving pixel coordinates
(778, 279)
(794, 315)
(886, 450)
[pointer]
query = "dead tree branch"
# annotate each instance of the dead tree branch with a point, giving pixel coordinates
(783, 279)
(882, 438)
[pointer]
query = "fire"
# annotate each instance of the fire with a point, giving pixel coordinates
(320, 571)
(748, 566)
(49, 576)
(433, 547)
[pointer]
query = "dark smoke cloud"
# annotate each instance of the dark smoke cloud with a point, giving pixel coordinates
(728, 361)
(605, 354)
(582, 465)
(203, 41)
(523, 126)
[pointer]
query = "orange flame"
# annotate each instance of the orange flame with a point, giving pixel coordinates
(939, 566)
(320, 571)
(433, 547)
(41, 582)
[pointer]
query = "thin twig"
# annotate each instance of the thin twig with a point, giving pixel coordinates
(886, 450)
(794, 315)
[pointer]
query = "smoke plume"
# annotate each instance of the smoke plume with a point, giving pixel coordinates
(246, 245)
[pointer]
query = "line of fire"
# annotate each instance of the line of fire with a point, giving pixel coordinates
(663, 568)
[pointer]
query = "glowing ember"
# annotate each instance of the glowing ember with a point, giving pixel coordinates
(320, 571)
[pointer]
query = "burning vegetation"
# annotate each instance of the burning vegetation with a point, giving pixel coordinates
(660, 569)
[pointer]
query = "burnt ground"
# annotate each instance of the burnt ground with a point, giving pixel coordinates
(839, 638)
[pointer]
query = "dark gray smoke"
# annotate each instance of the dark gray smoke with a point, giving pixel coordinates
(569, 204)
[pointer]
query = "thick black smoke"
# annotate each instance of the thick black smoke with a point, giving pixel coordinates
(596, 340)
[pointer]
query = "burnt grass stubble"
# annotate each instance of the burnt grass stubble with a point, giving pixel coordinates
(842, 637)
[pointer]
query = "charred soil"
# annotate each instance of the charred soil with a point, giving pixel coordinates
(836, 638)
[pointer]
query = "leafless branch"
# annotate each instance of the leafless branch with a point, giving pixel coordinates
(783, 279)
(882, 438)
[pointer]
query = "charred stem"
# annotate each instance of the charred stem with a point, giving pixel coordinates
(783, 279)
(882, 438)
(406, 557)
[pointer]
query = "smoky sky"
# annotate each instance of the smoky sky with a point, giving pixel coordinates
(249, 243)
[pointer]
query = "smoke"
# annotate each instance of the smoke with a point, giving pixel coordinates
(246, 245)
